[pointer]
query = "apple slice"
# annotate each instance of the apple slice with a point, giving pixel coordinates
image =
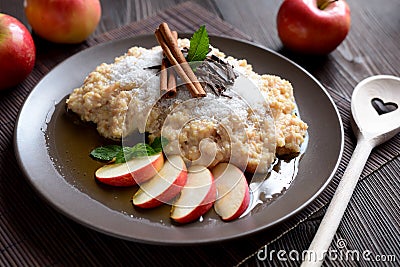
(233, 191)
(134, 171)
(164, 186)
(197, 196)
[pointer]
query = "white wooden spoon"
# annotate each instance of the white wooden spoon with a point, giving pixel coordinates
(371, 129)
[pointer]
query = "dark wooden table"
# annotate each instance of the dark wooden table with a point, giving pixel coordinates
(371, 222)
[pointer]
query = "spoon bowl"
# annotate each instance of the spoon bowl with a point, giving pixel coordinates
(368, 123)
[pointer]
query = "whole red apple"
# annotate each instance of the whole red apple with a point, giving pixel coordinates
(17, 52)
(313, 26)
(63, 21)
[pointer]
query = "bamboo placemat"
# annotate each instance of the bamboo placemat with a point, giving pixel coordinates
(34, 234)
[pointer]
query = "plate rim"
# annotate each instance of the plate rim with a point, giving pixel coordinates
(62, 210)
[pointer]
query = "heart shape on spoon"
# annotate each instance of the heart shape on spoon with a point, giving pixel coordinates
(368, 123)
(382, 107)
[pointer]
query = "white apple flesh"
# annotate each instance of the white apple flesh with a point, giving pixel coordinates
(197, 196)
(134, 171)
(164, 186)
(233, 195)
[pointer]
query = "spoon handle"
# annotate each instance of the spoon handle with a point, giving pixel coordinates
(329, 224)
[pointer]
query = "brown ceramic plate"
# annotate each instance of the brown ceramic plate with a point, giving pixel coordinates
(52, 149)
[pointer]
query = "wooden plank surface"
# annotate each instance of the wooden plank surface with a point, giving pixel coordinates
(372, 46)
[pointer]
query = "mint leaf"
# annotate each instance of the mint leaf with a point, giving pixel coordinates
(158, 143)
(106, 153)
(142, 150)
(137, 151)
(199, 45)
(122, 154)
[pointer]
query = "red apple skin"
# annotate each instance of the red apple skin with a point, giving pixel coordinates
(136, 177)
(202, 208)
(168, 194)
(220, 170)
(17, 52)
(242, 208)
(120, 181)
(305, 28)
(62, 21)
(149, 171)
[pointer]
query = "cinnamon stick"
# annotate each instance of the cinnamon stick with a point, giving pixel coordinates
(171, 84)
(171, 79)
(163, 77)
(177, 59)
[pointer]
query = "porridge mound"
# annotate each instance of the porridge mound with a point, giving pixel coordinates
(250, 126)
